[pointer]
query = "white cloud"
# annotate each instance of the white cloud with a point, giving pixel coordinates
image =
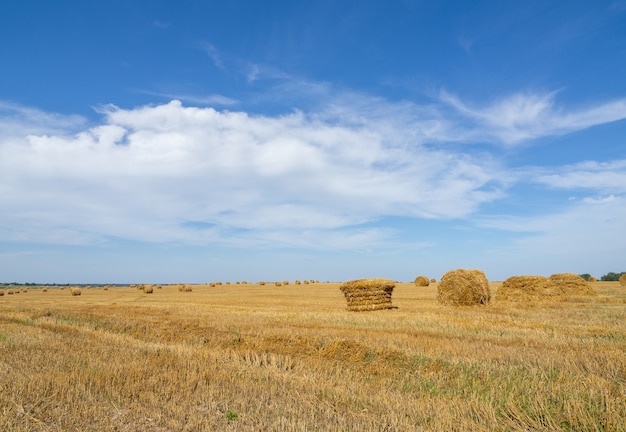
(599, 176)
(525, 116)
(213, 54)
(148, 173)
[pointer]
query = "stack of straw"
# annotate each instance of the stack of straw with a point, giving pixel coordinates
(368, 294)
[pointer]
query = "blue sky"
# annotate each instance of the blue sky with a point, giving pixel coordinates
(159, 141)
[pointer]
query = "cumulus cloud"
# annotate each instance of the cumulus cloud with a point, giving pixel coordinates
(525, 116)
(197, 175)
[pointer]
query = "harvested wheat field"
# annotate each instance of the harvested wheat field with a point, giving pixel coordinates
(249, 357)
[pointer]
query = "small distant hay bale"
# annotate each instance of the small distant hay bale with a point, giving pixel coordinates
(75, 291)
(592, 279)
(463, 288)
(277, 283)
(10, 292)
(368, 294)
(44, 290)
(1, 293)
(433, 280)
(305, 282)
(244, 282)
(148, 289)
(261, 282)
(227, 283)
(286, 282)
(186, 288)
(622, 280)
(421, 281)
(212, 285)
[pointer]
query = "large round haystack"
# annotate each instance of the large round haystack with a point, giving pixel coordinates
(463, 288)
(368, 294)
(421, 281)
(571, 284)
(622, 280)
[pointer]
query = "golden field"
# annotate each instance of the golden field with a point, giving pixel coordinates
(246, 357)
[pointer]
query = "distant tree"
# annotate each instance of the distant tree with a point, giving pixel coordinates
(611, 276)
(585, 276)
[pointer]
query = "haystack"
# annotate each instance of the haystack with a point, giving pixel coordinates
(622, 280)
(463, 288)
(1, 293)
(421, 281)
(368, 294)
(522, 288)
(75, 291)
(148, 289)
(571, 284)
(533, 288)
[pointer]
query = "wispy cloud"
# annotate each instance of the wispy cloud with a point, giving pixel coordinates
(553, 242)
(607, 177)
(210, 50)
(525, 116)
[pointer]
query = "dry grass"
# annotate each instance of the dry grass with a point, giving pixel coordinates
(622, 280)
(296, 360)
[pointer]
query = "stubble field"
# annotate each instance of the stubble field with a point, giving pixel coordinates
(247, 357)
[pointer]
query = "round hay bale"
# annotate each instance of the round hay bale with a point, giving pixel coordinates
(305, 282)
(261, 282)
(297, 282)
(286, 282)
(1, 293)
(74, 291)
(148, 289)
(421, 281)
(277, 283)
(433, 280)
(10, 292)
(592, 279)
(368, 294)
(463, 288)
(571, 284)
(622, 280)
